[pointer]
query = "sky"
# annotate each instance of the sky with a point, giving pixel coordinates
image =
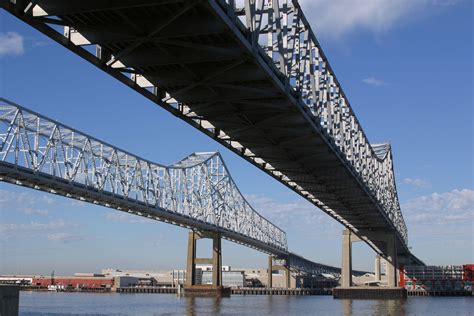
(407, 69)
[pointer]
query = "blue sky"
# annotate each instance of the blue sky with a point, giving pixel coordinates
(407, 68)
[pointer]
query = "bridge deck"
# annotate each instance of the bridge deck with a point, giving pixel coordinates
(197, 60)
(197, 192)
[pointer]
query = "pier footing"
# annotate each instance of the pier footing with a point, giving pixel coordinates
(369, 293)
(207, 290)
(9, 300)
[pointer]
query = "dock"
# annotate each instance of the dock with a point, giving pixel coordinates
(233, 291)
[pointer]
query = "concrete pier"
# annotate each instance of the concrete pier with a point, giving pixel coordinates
(9, 300)
(270, 272)
(216, 289)
(372, 292)
(207, 290)
(346, 267)
(281, 266)
(378, 277)
(347, 290)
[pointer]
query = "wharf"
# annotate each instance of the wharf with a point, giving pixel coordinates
(370, 292)
(233, 291)
(279, 291)
(439, 293)
(159, 290)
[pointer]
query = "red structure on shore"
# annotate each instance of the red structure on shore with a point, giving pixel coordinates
(438, 278)
(75, 281)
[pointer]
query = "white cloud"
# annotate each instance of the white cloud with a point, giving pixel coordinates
(333, 18)
(441, 208)
(292, 214)
(26, 202)
(57, 230)
(374, 82)
(121, 217)
(419, 183)
(64, 237)
(11, 43)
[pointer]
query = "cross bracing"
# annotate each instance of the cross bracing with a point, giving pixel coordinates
(251, 75)
(197, 192)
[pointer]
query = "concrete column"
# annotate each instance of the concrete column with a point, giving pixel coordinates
(191, 263)
(346, 267)
(216, 261)
(287, 277)
(391, 262)
(377, 268)
(270, 272)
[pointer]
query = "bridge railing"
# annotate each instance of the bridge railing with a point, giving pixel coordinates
(280, 32)
(198, 188)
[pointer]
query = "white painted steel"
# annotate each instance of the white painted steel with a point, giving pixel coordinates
(198, 187)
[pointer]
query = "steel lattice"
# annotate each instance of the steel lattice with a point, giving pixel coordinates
(198, 187)
(277, 40)
(281, 30)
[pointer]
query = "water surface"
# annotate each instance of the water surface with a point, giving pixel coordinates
(52, 303)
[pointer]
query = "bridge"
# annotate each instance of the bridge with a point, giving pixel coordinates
(197, 192)
(251, 75)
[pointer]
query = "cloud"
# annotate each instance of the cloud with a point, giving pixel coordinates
(374, 82)
(26, 202)
(334, 18)
(11, 43)
(121, 217)
(57, 230)
(294, 215)
(456, 206)
(419, 183)
(65, 237)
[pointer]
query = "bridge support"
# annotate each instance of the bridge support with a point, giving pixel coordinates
(216, 259)
(282, 266)
(192, 287)
(377, 269)
(346, 267)
(391, 266)
(391, 291)
(270, 272)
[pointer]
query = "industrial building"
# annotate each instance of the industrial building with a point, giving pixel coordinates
(78, 281)
(438, 278)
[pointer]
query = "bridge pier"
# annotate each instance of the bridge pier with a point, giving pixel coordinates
(270, 272)
(378, 277)
(216, 288)
(391, 266)
(283, 266)
(346, 267)
(346, 290)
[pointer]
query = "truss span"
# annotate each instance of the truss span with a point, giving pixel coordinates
(251, 75)
(197, 192)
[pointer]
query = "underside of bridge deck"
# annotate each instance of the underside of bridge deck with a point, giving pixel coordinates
(196, 59)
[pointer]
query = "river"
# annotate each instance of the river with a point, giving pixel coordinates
(53, 303)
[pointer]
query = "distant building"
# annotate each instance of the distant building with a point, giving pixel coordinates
(229, 278)
(18, 280)
(125, 281)
(74, 281)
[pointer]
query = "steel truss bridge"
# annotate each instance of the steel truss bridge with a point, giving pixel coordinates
(197, 192)
(251, 75)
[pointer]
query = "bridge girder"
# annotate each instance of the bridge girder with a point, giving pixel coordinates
(272, 40)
